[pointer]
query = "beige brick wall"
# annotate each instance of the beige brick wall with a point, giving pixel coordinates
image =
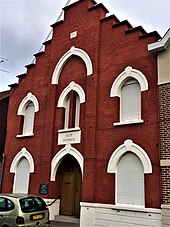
(164, 102)
(166, 215)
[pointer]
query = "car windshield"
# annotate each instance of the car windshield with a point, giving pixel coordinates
(32, 204)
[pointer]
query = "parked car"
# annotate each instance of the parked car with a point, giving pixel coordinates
(23, 210)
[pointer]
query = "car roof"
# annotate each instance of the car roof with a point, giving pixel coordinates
(16, 195)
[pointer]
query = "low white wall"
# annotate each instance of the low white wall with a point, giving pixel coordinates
(166, 215)
(54, 208)
(105, 215)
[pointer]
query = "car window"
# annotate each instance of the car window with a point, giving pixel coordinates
(2, 204)
(32, 204)
(10, 205)
(6, 204)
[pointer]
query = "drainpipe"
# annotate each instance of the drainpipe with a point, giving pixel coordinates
(2, 171)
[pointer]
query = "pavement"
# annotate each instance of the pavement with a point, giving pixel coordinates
(63, 224)
(65, 221)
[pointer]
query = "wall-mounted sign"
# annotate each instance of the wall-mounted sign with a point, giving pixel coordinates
(44, 189)
(69, 136)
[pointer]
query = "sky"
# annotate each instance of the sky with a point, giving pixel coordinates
(25, 25)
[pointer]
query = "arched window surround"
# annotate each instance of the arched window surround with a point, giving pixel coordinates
(29, 98)
(72, 86)
(63, 60)
(68, 149)
(127, 116)
(18, 157)
(128, 145)
(121, 79)
(14, 165)
(63, 102)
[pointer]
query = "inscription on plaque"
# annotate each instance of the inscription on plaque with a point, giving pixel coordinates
(69, 137)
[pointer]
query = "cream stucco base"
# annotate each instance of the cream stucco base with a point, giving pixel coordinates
(105, 215)
(53, 208)
(166, 215)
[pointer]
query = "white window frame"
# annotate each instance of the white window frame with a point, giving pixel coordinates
(128, 145)
(125, 102)
(24, 153)
(30, 98)
(128, 73)
(126, 195)
(65, 102)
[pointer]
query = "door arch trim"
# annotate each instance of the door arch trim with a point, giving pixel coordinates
(68, 149)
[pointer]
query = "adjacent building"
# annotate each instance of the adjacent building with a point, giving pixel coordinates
(83, 122)
(162, 50)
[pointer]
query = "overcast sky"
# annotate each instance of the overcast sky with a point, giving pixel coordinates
(25, 25)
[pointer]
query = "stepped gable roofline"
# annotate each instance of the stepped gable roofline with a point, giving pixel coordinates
(109, 18)
(13, 85)
(161, 44)
(21, 75)
(72, 4)
(154, 33)
(39, 54)
(47, 42)
(100, 5)
(138, 28)
(77, 2)
(125, 22)
(29, 66)
(57, 23)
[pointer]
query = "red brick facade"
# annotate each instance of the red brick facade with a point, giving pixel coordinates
(112, 46)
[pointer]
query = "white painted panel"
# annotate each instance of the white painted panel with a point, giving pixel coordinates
(130, 180)
(29, 119)
(130, 103)
(22, 176)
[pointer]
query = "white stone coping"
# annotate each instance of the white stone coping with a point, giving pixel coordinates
(25, 135)
(121, 207)
(69, 129)
(128, 122)
(165, 206)
(165, 162)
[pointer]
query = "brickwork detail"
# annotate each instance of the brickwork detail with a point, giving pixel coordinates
(164, 100)
(166, 184)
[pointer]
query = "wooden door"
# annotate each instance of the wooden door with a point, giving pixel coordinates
(71, 190)
(67, 193)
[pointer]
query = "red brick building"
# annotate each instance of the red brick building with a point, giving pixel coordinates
(83, 123)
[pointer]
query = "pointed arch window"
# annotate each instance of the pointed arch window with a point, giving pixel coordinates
(22, 177)
(22, 165)
(72, 110)
(128, 87)
(130, 180)
(129, 162)
(71, 98)
(130, 101)
(27, 108)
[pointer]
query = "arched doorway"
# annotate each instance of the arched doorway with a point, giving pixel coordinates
(70, 186)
